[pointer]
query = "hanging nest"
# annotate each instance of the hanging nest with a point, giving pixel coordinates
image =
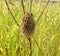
(27, 24)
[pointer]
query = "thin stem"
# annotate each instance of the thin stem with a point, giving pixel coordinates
(11, 13)
(42, 12)
(31, 1)
(30, 46)
(38, 45)
(23, 6)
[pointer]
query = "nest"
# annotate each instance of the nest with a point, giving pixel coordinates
(27, 25)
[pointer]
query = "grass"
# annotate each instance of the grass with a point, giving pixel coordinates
(47, 32)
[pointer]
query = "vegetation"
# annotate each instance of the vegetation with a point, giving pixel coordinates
(46, 38)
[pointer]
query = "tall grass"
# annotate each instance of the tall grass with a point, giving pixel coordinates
(47, 31)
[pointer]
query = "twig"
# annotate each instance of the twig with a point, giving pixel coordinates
(31, 1)
(11, 13)
(23, 6)
(30, 46)
(42, 12)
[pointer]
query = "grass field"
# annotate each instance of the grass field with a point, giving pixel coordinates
(47, 31)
